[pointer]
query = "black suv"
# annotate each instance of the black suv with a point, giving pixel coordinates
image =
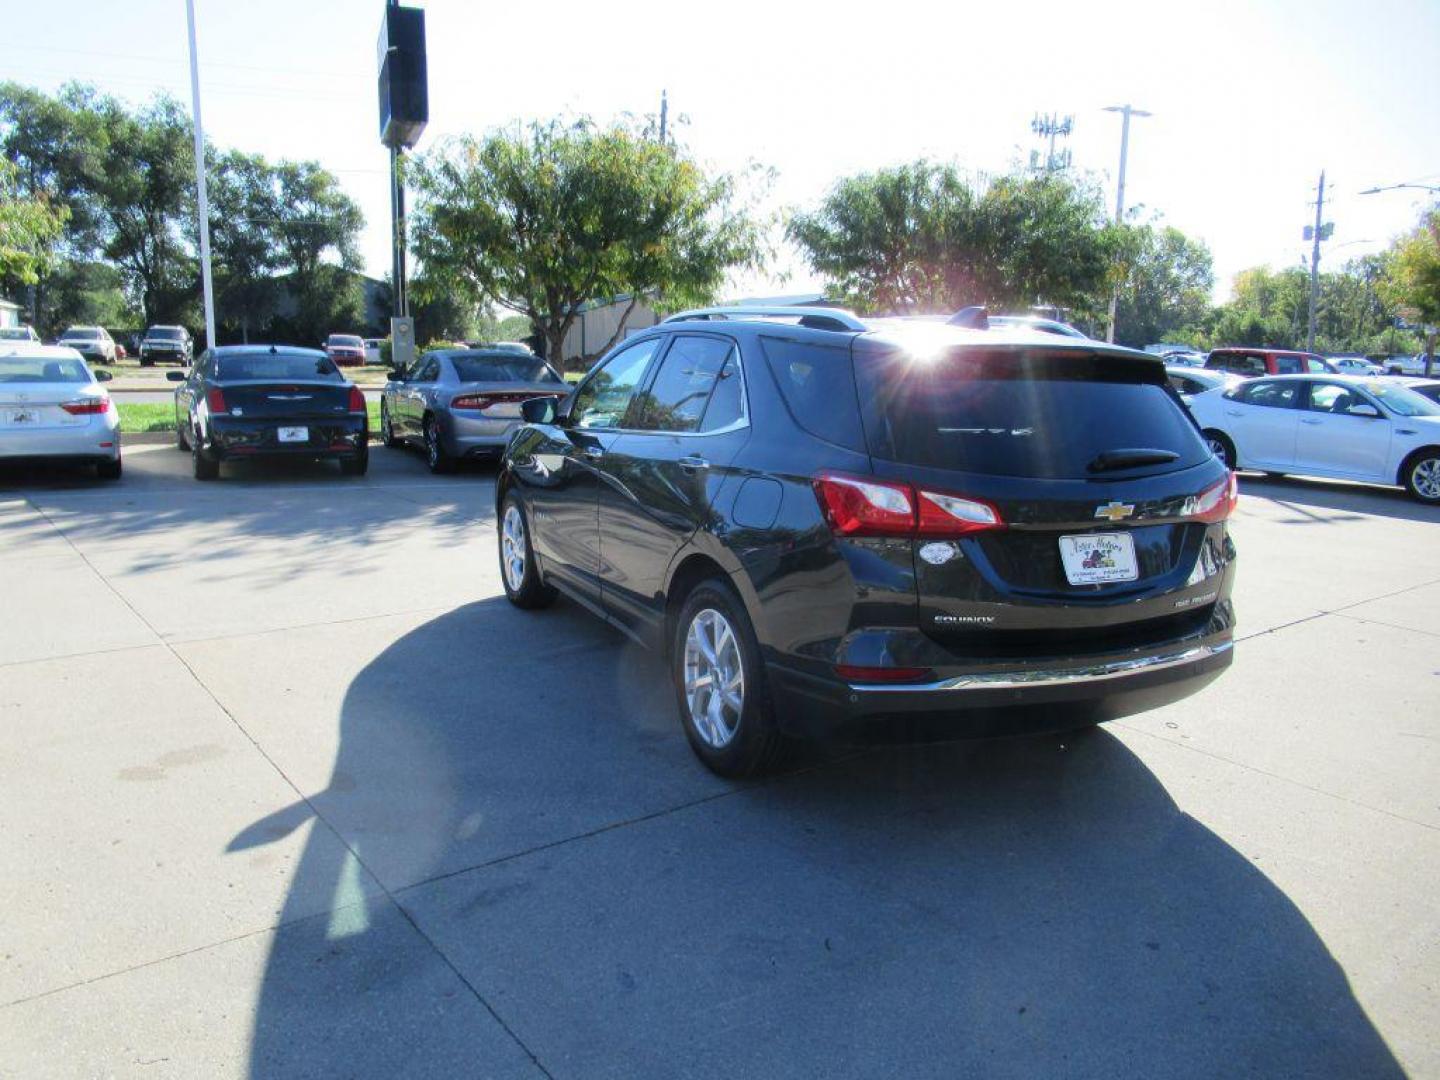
(172, 343)
(894, 528)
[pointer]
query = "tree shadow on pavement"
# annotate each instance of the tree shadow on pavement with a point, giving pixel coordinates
(535, 865)
(1315, 501)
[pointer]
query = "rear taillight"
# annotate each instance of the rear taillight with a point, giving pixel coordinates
(864, 506)
(1217, 502)
(484, 401)
(86, 406)
(215, 401)
(357, 400)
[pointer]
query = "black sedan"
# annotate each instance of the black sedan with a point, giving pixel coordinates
(249, 401)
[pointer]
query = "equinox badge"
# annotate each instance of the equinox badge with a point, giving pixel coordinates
(1114, 511)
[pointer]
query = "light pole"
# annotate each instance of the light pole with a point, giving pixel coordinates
(1396, 187)
(200, 193)
(1126, 112)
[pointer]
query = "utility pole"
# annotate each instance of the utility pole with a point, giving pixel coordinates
(664, 114)
(1049, 126)
(1315, 262)
(202, 197)
(1126, 111)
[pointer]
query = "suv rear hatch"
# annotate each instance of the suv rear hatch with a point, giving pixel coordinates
(1066, 501)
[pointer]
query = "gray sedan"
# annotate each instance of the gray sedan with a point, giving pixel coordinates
(463, 403)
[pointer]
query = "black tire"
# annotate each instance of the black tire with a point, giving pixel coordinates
(203, 467)
(1422, 477)
(387, 429)
(355, 466)
(110, 470)
(436, 458)
(753, 745)
(147, 363)
(1223, 447)
(530, 591)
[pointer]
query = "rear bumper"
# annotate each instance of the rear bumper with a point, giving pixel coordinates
(96, 441)
(1050, 695)
(231, 439)
(467, 437)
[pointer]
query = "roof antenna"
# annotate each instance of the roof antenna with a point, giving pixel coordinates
(975, 317)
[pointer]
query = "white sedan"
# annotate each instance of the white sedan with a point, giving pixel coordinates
(52, 407)
(1344, 427)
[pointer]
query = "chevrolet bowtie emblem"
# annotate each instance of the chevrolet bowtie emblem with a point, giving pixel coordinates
(1114, 511)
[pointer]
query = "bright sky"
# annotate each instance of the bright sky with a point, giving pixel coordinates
(1250, 101)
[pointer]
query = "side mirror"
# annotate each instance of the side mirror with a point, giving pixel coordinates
(1364, 410)
(538, 410)
(396, 375)
(176, 376)
(103, 376)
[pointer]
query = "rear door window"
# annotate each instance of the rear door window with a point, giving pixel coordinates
(1026, 414)
(678, 395)
(1270, 395)
(1288, 365)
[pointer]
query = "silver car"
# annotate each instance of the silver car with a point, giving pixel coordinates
(94, 343)
(53, 407)
(464, 403)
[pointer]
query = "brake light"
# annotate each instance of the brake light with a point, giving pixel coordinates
(856, 506)
(86, 406)
(215, 400)
(1217, 502)
(357, 400)
(484, 401)
(863, 673)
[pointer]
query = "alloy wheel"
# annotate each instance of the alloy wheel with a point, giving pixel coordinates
(1217, 448)
(512, 548)
(1426, 478)
(714, 678)
(432, 445)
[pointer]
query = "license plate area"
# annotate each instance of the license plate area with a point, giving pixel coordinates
(293, 434)
(1099, 558)
(20, 416)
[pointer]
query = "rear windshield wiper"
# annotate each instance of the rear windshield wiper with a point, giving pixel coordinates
(1109, 460)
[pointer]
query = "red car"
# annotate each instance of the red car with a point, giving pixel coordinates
(1254, 362)
(345, 350)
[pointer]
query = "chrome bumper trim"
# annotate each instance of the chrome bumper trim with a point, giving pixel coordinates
(1016, 680)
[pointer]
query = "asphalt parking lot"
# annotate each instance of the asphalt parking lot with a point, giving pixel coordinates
(290, 790)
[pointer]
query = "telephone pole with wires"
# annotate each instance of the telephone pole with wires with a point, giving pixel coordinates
(1319, 231)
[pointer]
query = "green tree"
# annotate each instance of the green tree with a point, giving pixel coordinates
(543, 218)
(30, 229)
(921, 237)
(1166, 290)
(243, 250)
(1411, 279)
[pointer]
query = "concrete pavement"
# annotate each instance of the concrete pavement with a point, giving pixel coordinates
(290, 790)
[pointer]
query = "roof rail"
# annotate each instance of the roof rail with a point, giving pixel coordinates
(817, 318)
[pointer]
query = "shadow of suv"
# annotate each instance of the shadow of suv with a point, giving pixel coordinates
(886, 528)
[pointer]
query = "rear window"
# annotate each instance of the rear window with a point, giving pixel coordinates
(503, 369)
(1025, 414)
(275, 366)
(818, 385)
(80, 335)
(165, 333)
(347, 340)
(23, 369)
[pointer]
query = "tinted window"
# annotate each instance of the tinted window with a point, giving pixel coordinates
(604, 397)
(818, 385)
(80, 335)
(1272, 395)
(503, 369)
(23, 369)
(1241, 363)
(275, 366)
(1316, 366)
(1288, 365)
(677, 397)
(429, 371)
(727, 403)
(1017, 413)
(162, 333)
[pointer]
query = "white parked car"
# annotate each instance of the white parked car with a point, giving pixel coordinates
(1190, 381)
(52, 406)
(1356, 365)
(372, 349)
(92, 342)
(1343, 427)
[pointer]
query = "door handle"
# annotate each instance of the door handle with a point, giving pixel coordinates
(693, 463)
(1233, 412)
(593, 453)
(1309, 420)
